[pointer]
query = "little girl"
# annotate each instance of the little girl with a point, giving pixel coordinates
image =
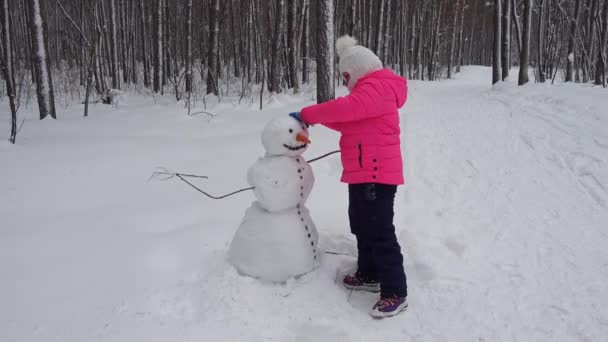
(368, 120)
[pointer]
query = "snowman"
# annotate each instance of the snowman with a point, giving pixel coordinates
(277, 238)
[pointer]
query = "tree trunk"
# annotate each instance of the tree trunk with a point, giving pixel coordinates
(453, 41)
(517, 26)
(506, 40)
(306, 43)
(600, 69)
(325, 50)
(7, 67)
(461, 36)
(591, 38)
(275, 74)
(541, 37)
(212, 52)
(387, 33)
(144, 54)
(379, 28)
(189, 48)
(114, 46)
(525, 49)
(44, 88)
(571, 42)
(158, 50)
(496, 57)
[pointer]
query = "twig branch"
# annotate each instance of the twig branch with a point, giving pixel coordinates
(20, 126)
(203, 112)
(181, 176)
(74, 23)
(211, 196)
(323, 156)
(177, 174)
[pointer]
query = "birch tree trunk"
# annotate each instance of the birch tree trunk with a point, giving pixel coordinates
(453, 41)
(571, 42)
(506, 40)
(275, 74)
(496, 57)
(591, 38)
(461, 36)
(7, 67)
(525, 48)
(325, 50)
(189, 48)
(541, 37)
(293, 44)
(144, 54)
(379, 28)
(44, 89)
(212, 52)
(517, 26)
(113, 46)
(306, 43)
(158, 49)
(387, 32)
(600, 69)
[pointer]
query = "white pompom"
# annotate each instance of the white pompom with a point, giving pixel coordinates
(344, 43)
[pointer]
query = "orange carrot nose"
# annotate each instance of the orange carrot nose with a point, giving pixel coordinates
(302, 138)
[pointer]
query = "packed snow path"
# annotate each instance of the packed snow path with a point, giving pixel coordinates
(503, 223)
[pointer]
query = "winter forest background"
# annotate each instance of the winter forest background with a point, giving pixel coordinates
(75, 50)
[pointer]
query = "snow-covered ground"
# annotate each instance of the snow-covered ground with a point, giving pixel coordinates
(503, 223)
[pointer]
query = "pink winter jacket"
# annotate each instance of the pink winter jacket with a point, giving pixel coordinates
(368, 119)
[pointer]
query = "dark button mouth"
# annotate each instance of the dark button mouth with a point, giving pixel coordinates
(295, 148)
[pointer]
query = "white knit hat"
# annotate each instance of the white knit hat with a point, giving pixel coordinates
(356, 60)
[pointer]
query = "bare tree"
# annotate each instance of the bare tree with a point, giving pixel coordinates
(158, 47)
(212, 52)
(144, 54)
(379, 28)
(306, 42)
(540, 70)
(189, 48)
(293, 44)
(7, 67)
(525, 48)
(44, 90)
(571, 42)
(325, 50)
(275, 76)
(506, 39)
(496, 57)
(453, 40)
(461, 35)
(518, 34)
(113, 46)
(600, 69)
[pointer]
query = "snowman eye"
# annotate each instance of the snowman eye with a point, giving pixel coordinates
(290, 130)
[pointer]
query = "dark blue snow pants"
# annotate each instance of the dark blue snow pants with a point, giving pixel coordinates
(371, 214)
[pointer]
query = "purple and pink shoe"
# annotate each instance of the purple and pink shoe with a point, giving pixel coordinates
(360, 282)
(389, 306)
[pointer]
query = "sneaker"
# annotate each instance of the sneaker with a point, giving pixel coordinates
(358, 281)
(389, 306)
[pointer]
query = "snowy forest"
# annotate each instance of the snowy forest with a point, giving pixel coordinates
(176, 170)
(81, 50)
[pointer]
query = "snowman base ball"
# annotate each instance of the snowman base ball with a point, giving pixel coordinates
(275, 246)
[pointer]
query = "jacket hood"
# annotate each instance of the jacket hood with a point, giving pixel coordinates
(396, 83)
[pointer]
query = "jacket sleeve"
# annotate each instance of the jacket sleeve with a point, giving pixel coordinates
(366, 101)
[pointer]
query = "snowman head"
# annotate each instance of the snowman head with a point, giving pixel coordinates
(285, 136)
